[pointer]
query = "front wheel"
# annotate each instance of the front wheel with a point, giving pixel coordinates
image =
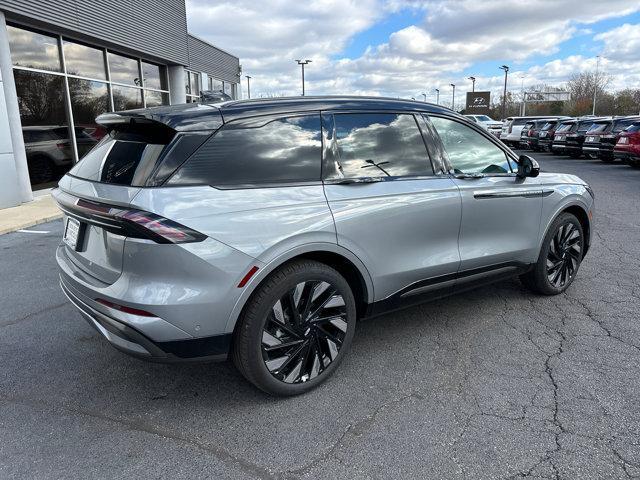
(559, 259)
(295, 329)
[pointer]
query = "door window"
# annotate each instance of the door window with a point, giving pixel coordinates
(378, 145)
(468, 150)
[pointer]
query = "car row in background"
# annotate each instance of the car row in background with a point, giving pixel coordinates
(604, 138)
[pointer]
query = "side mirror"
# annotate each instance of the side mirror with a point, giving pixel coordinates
(527, 167)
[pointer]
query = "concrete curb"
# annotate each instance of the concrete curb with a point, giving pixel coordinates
(29, 223)
(42, 209)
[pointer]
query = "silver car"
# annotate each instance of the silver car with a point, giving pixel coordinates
(263, 229)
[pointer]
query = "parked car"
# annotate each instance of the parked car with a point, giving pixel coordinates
(48, 149)
(512, 127)
(558, 147)
(627, 148)
(603, 135)
(547, 132)
(529, 136)
(488, 123)
(263, 229)
(575, 139)
(591, 144)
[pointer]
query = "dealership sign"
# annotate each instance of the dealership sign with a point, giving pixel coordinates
(478, 103)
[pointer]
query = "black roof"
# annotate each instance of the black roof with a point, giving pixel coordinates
(207, 116)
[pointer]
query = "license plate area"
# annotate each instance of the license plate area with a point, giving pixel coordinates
(73, 232)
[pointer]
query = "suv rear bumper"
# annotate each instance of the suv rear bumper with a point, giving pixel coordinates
(131, 341)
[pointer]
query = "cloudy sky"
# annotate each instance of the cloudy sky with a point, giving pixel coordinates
(403, 48)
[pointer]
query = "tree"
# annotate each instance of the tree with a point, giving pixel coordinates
(582, 86)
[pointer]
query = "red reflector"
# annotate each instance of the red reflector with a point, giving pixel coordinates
(247, 277)
(124, 309)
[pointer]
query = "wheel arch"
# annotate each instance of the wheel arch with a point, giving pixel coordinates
(580, 211)
(333, 255)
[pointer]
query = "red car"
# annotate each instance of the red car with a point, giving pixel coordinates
(628, 146)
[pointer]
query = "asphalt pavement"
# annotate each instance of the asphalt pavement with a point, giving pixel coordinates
(493, 383)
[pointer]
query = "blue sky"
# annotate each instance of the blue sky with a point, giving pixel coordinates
(402, 48)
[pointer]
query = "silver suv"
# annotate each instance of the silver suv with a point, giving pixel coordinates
(263, 229)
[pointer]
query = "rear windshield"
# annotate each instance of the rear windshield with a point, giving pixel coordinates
(549, 125)
(483, 118)
(566, 127)
(584, 126)
(598, 127)
(622, 125)
(519, 121)
(633, 128)
(122, 158)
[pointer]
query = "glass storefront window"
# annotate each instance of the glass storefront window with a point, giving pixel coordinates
(126, 98)
(153, 76)
(44, 126)
(215, 85)
(227, 88)
(33, 50)
(124, 69)
(88, 100)
(84, 61)
(155, 99)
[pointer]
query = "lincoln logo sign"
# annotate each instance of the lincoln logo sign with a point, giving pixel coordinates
(478, 102)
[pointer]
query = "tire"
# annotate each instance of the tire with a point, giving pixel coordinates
(278, 346)
(562, 247)
(575, 154)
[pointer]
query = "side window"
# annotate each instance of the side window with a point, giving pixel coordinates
(256, 152)
(377, 145)
(468, 150)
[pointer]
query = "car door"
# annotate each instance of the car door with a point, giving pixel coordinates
(501, 212)
(389, 207)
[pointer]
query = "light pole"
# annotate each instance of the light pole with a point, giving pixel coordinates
(522, 106)
(473, 83)
(425, 96)
(437, 96)
(595, 86)
(248, 86)
(453, 97)
(302, 63)
(504, 94)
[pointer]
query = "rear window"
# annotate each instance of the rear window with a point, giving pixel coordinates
(257, 152)
(124, 157)
(519, 121)
(598, 127)
(566, 127)
(584, 126)
(622, 125)
(549, 126)
(633, 128)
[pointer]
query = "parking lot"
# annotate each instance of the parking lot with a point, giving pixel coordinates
(494, 383)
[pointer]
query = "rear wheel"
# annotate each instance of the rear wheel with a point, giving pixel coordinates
(559, 258)
(295, 329)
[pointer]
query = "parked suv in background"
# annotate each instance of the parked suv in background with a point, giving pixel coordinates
(575, 138)
(627, 148)
(546, 134)
(603, 135)
(530, 133)
(512, 127)
(262, 229)
(488, 123)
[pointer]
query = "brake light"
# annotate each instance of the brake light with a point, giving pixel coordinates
(124, 309)
(531, 132)
(132, 222)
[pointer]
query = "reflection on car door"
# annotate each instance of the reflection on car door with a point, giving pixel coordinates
(389, 207)
(500, 212)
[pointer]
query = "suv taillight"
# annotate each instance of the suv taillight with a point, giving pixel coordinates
(131, 222)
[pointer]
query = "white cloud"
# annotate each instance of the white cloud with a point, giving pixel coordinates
(450, 37)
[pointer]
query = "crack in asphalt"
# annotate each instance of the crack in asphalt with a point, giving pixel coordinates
(33, 314)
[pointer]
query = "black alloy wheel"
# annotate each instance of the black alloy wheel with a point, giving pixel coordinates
(304, 331)
(564, 255)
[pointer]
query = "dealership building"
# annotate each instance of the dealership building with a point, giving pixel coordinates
(64, 62)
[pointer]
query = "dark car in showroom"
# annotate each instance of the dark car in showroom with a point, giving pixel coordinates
(603, 135)
(627, 148)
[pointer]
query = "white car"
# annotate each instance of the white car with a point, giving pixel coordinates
(512, 128)
(488, 123)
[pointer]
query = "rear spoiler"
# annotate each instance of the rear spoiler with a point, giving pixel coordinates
(181, 118)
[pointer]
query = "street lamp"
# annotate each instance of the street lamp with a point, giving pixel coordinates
(504, 94)
(523, 105)
(302, 63)
(437, 96)
(453, 97)
(595, 86)
(425, 96)
(473, 83)
(248, 86)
